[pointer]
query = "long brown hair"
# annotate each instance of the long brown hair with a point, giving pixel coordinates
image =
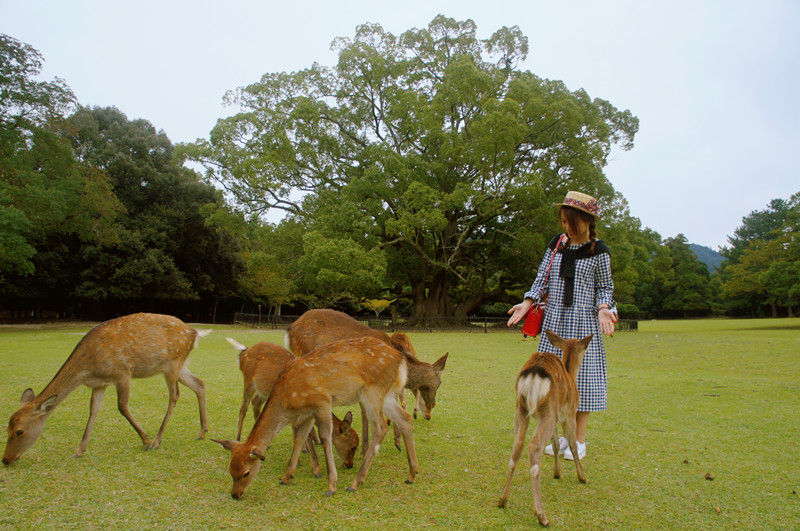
(573, 215)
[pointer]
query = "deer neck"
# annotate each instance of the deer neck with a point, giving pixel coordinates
(68, 378)
(271, 421)
(573, 362)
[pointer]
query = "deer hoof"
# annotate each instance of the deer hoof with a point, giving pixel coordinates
(350, 489)
(318, 475)
(415, 413)
(409, 482)
(542, 519)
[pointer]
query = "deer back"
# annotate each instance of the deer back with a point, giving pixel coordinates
(140, 345)
(321, 327)
(261, 364)
(339, 371)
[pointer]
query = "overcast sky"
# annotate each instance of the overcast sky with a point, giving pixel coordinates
(715, 84)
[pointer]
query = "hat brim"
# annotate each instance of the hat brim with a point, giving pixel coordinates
(595, 216)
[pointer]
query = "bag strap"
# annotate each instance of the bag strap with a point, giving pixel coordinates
(563, 238)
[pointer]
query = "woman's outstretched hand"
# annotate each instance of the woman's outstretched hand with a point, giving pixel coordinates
(518, 311)
(607, 319)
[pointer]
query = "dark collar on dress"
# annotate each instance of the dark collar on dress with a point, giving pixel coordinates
(569, 257)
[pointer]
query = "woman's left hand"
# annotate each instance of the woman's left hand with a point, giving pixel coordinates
(607, 320)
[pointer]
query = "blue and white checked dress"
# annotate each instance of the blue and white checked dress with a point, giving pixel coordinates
(593, 286)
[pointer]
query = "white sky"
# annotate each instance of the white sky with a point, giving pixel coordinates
(715, 83)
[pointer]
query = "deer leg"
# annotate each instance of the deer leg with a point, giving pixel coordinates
(123, 395)
(172, 386)
(312, 454)
(247, 396)
(94, 409)
(569, 432)
(521, 421)
(300, 436)
(401, 421)
(379, 429)
(364, 432)
(556, 463)
(417, 402)
(194, 383)
(325, 427)
(544, 429)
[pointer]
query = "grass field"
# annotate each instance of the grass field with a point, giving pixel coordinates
(701, 433)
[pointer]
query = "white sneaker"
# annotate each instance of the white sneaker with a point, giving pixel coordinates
(563, 444)
(581, 452)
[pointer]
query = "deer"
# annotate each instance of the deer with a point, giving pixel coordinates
(260, 365)
(319, 327)
(364, 370)
(546, 389)
(134, 346)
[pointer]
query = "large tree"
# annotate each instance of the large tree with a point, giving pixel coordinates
(166, 251)
(40, 189)
(432, 147)
(761, 266)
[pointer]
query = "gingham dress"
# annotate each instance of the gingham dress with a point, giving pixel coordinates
(593, 286)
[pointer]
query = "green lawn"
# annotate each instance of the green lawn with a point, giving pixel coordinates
(700, 433)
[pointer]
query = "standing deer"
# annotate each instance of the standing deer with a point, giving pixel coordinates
(546, 389)
(260, 365)
(363, 370)
(319, 327)
(135, 346)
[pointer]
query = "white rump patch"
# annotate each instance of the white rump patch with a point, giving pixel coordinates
(533, 389)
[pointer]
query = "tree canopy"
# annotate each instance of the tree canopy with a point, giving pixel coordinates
(431, 147)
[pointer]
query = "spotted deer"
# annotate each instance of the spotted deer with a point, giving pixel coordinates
(135, 346)
(363, 370)
(320, 327)
(260, 365)
(546, 389)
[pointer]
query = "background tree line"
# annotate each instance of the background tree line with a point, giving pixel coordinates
(422, 167)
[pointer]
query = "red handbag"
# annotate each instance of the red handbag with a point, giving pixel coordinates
(535, 317)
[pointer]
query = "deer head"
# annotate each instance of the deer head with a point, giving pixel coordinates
(25, 426)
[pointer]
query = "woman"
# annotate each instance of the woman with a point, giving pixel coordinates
(580, 303)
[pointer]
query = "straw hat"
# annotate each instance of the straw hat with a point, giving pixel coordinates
(582, 202)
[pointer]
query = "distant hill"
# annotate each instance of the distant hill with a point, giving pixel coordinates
(708, 256)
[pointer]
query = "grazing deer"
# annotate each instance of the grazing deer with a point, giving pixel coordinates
(319, 327)
(260, 365)
(135, 346)
(363, 370)
(546, 389)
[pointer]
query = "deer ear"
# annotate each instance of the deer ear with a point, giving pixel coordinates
(28, 395)
(554, 339)
(585, 341)
(349, 417)
(228, 445)
(255, 453)
(440, 363)
(48, 404)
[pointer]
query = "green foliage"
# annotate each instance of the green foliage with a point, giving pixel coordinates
(40, 190)
(429, 147)
(337, 270)
(762, 267)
